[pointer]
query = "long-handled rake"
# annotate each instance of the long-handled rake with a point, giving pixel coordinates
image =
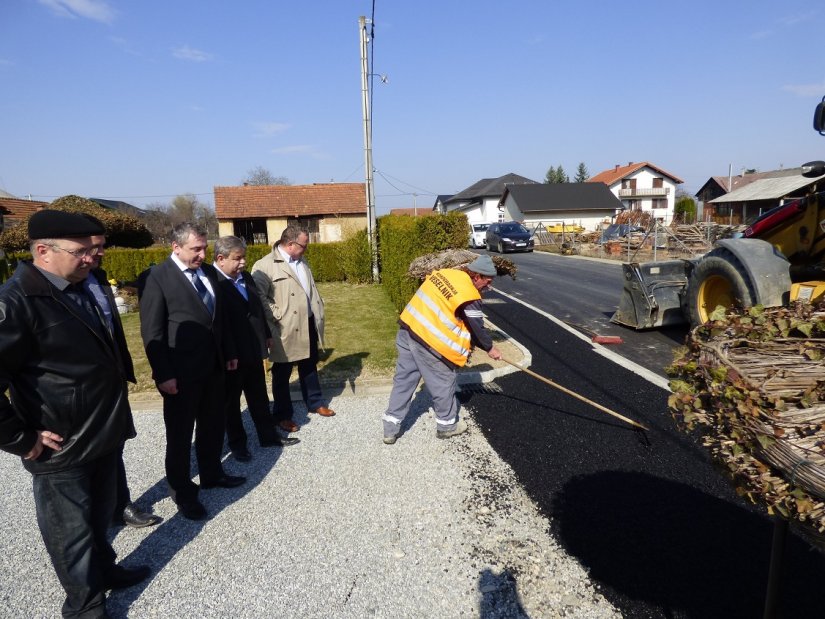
(604, 409)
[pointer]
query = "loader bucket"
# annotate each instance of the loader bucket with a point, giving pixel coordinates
(652, 294)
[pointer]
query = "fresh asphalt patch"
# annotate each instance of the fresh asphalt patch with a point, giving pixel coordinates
(660, 528)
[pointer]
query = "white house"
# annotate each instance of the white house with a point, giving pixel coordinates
(642, 187)
(480, 201)
(587, 205)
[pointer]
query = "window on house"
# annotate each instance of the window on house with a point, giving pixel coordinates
(659, 203)
(658, 182)
(723, 210)
(252, 231)
(310, 224)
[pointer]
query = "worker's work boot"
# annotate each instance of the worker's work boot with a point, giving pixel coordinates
(460, 428)
(390, 440)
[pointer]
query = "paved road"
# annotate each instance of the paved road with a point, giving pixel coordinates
(585, 293)
(660, 529)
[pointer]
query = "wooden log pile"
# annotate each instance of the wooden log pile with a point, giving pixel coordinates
(691, 237)
(751, 385)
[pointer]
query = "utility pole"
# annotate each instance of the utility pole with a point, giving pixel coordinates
(367, 113)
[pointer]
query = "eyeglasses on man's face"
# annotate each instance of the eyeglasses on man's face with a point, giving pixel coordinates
(94, 250)
(300, 245)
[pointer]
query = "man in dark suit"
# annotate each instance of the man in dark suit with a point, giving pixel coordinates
(253, 340)
(182, 323)
(96, 283)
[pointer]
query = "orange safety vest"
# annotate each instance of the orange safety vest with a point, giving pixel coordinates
(430, 314)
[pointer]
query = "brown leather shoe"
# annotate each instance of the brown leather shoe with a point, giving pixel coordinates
(287, 425)
(324, 411)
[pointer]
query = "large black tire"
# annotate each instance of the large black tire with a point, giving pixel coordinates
(718, 279)
(500, 248)
(489, 248)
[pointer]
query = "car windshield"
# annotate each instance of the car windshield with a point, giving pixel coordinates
(513, 229)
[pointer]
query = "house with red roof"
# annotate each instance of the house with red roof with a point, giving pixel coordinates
(14, 211)
(642, 187)
(259, 213)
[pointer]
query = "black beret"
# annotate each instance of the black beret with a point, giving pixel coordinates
(51, 224)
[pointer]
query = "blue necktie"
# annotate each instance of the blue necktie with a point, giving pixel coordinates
(203, 293)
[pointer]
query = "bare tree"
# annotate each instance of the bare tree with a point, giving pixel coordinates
(158, 221)
(261, 176)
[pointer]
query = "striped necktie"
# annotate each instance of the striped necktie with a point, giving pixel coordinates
(203, 293)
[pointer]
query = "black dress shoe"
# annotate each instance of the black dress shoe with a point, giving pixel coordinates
(224, 481)
(192, 510)
(284, 441)
(119, 577)
(133, 517)
(241, 455)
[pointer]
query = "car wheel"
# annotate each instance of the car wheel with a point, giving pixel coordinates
(488, 246)
(500, 248)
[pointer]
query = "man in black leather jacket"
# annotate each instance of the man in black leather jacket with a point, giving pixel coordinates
(68, 411)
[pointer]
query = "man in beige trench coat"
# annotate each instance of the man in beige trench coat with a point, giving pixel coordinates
(295, 313)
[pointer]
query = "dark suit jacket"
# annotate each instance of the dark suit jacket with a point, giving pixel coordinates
(121, 348)
(246, 319)
(182, 339)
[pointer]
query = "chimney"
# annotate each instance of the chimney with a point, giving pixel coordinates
(629, 163)
(616, 169)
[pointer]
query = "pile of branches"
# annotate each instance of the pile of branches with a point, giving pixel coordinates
(452, 259)
(752, 386)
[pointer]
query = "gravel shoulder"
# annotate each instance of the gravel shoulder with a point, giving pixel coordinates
(339, 525)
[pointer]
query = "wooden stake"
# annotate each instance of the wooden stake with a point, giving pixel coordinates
(575, 395)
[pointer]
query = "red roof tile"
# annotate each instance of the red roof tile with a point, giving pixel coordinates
(290, 200)
(15, 210)
(608, 177)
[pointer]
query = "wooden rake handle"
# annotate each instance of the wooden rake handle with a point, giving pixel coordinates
(604, 409)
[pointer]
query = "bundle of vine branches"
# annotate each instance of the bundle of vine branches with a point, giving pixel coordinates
(453, 258)
(752, 386)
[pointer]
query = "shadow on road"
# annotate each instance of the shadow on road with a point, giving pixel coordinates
(679, 551)
(499, 596)
(172, 535)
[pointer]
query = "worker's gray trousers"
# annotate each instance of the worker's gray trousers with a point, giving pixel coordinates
(415, 361)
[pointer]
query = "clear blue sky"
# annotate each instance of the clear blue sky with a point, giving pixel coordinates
(145, 100)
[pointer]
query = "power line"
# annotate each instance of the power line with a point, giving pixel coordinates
(422, 190)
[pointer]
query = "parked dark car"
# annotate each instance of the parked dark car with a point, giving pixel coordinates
(509, 236)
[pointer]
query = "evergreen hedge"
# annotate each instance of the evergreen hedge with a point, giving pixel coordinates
(402, 239)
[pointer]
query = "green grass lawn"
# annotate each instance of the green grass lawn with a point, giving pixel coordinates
(360, 336)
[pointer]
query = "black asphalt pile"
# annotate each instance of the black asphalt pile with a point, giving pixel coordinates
(658, 526)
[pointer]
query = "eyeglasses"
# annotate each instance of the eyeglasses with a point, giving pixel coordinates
(80, 253)
(301, 246)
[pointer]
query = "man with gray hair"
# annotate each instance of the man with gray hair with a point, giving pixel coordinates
(253, 339)
(67, 410)
(182, 322)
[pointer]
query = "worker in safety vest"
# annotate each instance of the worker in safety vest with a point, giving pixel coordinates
(438, 328)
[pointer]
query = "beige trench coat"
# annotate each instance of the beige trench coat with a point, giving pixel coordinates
(286, 309)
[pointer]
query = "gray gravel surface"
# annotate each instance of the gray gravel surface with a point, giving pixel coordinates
(339, 525)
